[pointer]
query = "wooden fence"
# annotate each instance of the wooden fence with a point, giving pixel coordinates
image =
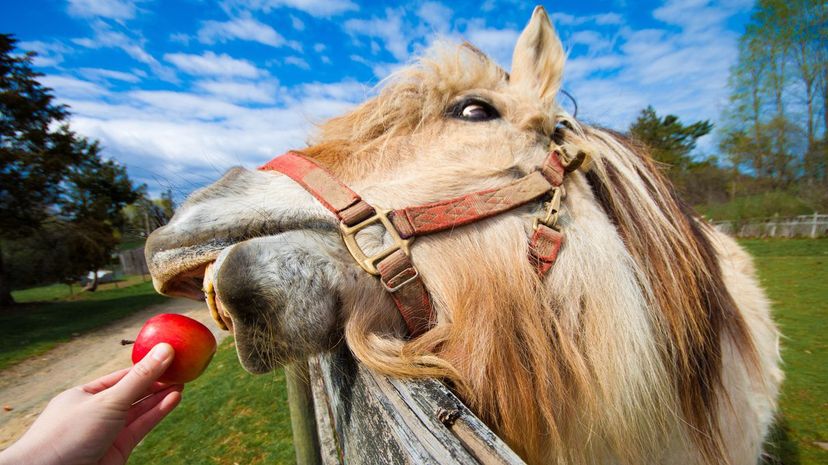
(133, 261)
(344, 413)
(813, 226)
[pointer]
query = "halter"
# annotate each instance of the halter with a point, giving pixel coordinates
(393, 264)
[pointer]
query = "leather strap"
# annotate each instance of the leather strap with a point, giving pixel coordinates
(544, 247)
(397, 273)
(449, 214)
(402, 280)
(322, 184)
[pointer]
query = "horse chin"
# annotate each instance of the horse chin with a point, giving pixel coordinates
(280, 297)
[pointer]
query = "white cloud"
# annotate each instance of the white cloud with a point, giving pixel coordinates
(390, 30)
(325, 9)
(244, 27)
(107, 74)
(106, 37)
(435, 16)
(48, 53)
(319, 48)
(297, 62)
(241, 92)
(112, 9)
(684, 73)
(604, 19)
(180, 38)
(211, 64)
(67, 86)
(595, 41)
(184, 140)
(497, 43)
(297, 23)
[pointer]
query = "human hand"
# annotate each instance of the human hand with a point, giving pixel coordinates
(101, 421)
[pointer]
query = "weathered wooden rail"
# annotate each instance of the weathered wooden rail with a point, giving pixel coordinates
(813, 226)
(344, 413)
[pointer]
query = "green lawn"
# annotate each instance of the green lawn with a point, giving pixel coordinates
(33, 328)
(226, 416)
(64, 292)
(795, 275)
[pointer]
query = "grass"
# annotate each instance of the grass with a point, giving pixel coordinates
(64, 292)
(33, 328)
(763, 205)
(795, 275)
(226, 416)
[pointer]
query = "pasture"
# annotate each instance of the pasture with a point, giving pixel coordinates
(795, 275)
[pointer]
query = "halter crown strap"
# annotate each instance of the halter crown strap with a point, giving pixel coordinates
(393, 265)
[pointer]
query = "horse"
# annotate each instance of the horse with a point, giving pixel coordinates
(647, 340)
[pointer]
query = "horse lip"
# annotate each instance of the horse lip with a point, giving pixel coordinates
(179, 271)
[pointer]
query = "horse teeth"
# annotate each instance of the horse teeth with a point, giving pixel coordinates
(210, 297)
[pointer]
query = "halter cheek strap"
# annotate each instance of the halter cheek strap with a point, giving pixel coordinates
(393, 265)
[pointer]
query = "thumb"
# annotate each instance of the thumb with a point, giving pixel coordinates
(135, 384)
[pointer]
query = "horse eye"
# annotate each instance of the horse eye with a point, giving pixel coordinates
(473, 110)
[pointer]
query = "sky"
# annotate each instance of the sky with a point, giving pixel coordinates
(178, 91)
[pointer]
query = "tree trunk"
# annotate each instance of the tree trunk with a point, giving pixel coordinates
(6, 299)
(93, 286)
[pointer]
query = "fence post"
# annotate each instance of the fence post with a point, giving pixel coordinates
(814, 226)
(775, 224)
(302, 417)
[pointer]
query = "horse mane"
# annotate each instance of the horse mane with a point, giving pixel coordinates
(620, 343)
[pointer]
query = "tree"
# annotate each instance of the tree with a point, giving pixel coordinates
(772, 122)
(49, 174)
(671, 142)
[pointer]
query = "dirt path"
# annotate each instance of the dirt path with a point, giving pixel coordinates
(28, 386)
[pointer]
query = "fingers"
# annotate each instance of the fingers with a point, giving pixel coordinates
(144, 405)
(104, 382)
(141, 377)
(140, 426)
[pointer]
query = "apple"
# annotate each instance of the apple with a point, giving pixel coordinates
(194, 345)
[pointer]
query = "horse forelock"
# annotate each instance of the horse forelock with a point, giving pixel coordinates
(623, 337)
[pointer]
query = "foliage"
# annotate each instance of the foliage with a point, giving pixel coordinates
(670, 142)
(773, 126)
(57, 195)
(145, 215)
(764, 205)
(36, 147)
(32, 329)
(226, 416)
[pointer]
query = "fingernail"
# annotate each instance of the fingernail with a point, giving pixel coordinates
(162, 351)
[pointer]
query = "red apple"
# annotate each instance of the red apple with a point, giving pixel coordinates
(194, 345)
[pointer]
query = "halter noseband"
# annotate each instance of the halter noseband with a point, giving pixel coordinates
(393, 264)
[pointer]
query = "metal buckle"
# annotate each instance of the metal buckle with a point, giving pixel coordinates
(400, 285)
(369, 263)
(552, 211)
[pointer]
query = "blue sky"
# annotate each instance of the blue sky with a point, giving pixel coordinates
(179, 91)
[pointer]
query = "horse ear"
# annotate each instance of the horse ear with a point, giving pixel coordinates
(538, 59)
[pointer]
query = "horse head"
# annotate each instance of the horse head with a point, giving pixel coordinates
(647, 341)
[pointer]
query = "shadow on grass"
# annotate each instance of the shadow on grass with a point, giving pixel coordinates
(780, 447)
(31, 329)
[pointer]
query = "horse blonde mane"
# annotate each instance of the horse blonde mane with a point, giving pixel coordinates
(623, 339)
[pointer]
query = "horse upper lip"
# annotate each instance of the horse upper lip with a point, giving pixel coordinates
(177, 263)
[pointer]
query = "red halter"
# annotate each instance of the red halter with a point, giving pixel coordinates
(393, 265)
